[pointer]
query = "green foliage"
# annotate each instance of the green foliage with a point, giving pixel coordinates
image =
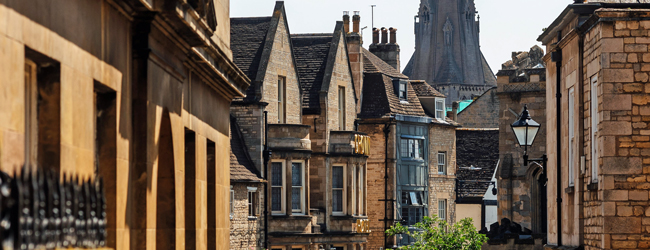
(434, 233)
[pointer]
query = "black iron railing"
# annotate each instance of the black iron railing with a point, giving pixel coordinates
(41, 209)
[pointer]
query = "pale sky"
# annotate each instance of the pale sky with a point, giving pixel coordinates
(506, 25)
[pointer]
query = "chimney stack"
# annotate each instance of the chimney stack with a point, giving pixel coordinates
(346, 21)
(384, 35)
(393, 34)
(356, 19)
(375, 36)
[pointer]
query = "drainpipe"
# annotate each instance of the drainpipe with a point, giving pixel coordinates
(557, 58)
(386, 132)
(267, 155)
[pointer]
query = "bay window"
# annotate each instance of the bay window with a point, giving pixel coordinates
(277, 188)
(297, 187)
(338, 190)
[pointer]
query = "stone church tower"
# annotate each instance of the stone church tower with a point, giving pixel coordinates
(447, 53)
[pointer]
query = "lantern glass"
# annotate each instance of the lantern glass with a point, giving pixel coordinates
(525, 134)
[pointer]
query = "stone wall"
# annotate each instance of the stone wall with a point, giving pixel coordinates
(341, 77)
(247, 232)
(281, 64)
(482, 113)
(442, 139)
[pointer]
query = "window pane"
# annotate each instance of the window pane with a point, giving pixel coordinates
(337, 200)
(296, 204)
(404, 148)
(276, 199)
(416, 151)
(404, 174)
(296, 174)
(276, 174)
(412, 173)
(337, 177)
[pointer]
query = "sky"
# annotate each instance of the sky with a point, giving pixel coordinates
(505, 25)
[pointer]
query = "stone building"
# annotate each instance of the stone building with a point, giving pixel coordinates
(406, 181)
(316, 174)
(521, 192)
(123, 90)
(447, 53)
(597, 55)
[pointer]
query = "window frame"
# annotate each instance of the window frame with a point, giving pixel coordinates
(252, 196)
(571, 132)
(343, 190)
(341, 107)
(444, 163)
(413, 150)
(593, 110)
(232, 202)
(282, 99)
(360, 191)
(440, 107)
(402, 93)
(442, 209)
(300, 211)
(283, 195)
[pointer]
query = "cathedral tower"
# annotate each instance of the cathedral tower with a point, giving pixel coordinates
(447, 53)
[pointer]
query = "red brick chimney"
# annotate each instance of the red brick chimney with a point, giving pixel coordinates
(384, 35)
(375, 36)
(346, 21)
(356, 19)
(393, 34)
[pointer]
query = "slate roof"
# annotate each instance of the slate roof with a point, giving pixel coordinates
(242, 168)
(423, 89)
(247, 37)
(381, 99)
(374, 64)
(311, 54)
(477, 154)
(488, 74)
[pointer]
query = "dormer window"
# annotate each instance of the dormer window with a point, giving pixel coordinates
(440, 108)
(400, 89)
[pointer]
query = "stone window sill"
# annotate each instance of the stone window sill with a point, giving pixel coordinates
(592, 186)
(569, 190)
(252, 217)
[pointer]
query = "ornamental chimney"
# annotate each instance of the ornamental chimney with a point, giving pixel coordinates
(375, 36)
(393, 34)
(384, 35)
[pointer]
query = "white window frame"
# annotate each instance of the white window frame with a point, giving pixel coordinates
(440, 108)
(412, 149)
(343, 190)
(300, 211)
(342, 108)
(283, 193)
(571, 131)
(402, 88)
(442, 209)
(252, 193)
(443, 164)
(282, 99)
(594, 128)
(232, 202)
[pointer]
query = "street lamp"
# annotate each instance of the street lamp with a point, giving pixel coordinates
(525, 130)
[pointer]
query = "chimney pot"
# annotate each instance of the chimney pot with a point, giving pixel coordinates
(346, 21)
(384, 35)
(375, 35)
(393, 35)
(356, 20)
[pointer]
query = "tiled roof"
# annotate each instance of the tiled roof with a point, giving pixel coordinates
(423, 89)
(311, 53)
(477, 154)
(380, 98)
(242, 168)
(374, 64)
(247, 36)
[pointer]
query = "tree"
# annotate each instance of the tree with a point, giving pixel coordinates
(434, 233)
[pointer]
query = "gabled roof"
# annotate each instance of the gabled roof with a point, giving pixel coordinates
(423, 89)
(374, 64)
(315, 56)
(488, 74)
(251, 41)
(382, 101)
(477, 154)
(242, 168)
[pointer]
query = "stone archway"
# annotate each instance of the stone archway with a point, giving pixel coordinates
(537, 180)
(166, 191)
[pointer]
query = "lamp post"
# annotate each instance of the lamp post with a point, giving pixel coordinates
(525, 130)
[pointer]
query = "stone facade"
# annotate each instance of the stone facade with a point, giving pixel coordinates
(246, 230)
(447, 53)
(108, 95)
(442, 186)
(483, 112)
(602, 61)
(519, 191)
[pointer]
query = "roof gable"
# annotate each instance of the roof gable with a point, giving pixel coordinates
(242, 168)
(384, 100)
